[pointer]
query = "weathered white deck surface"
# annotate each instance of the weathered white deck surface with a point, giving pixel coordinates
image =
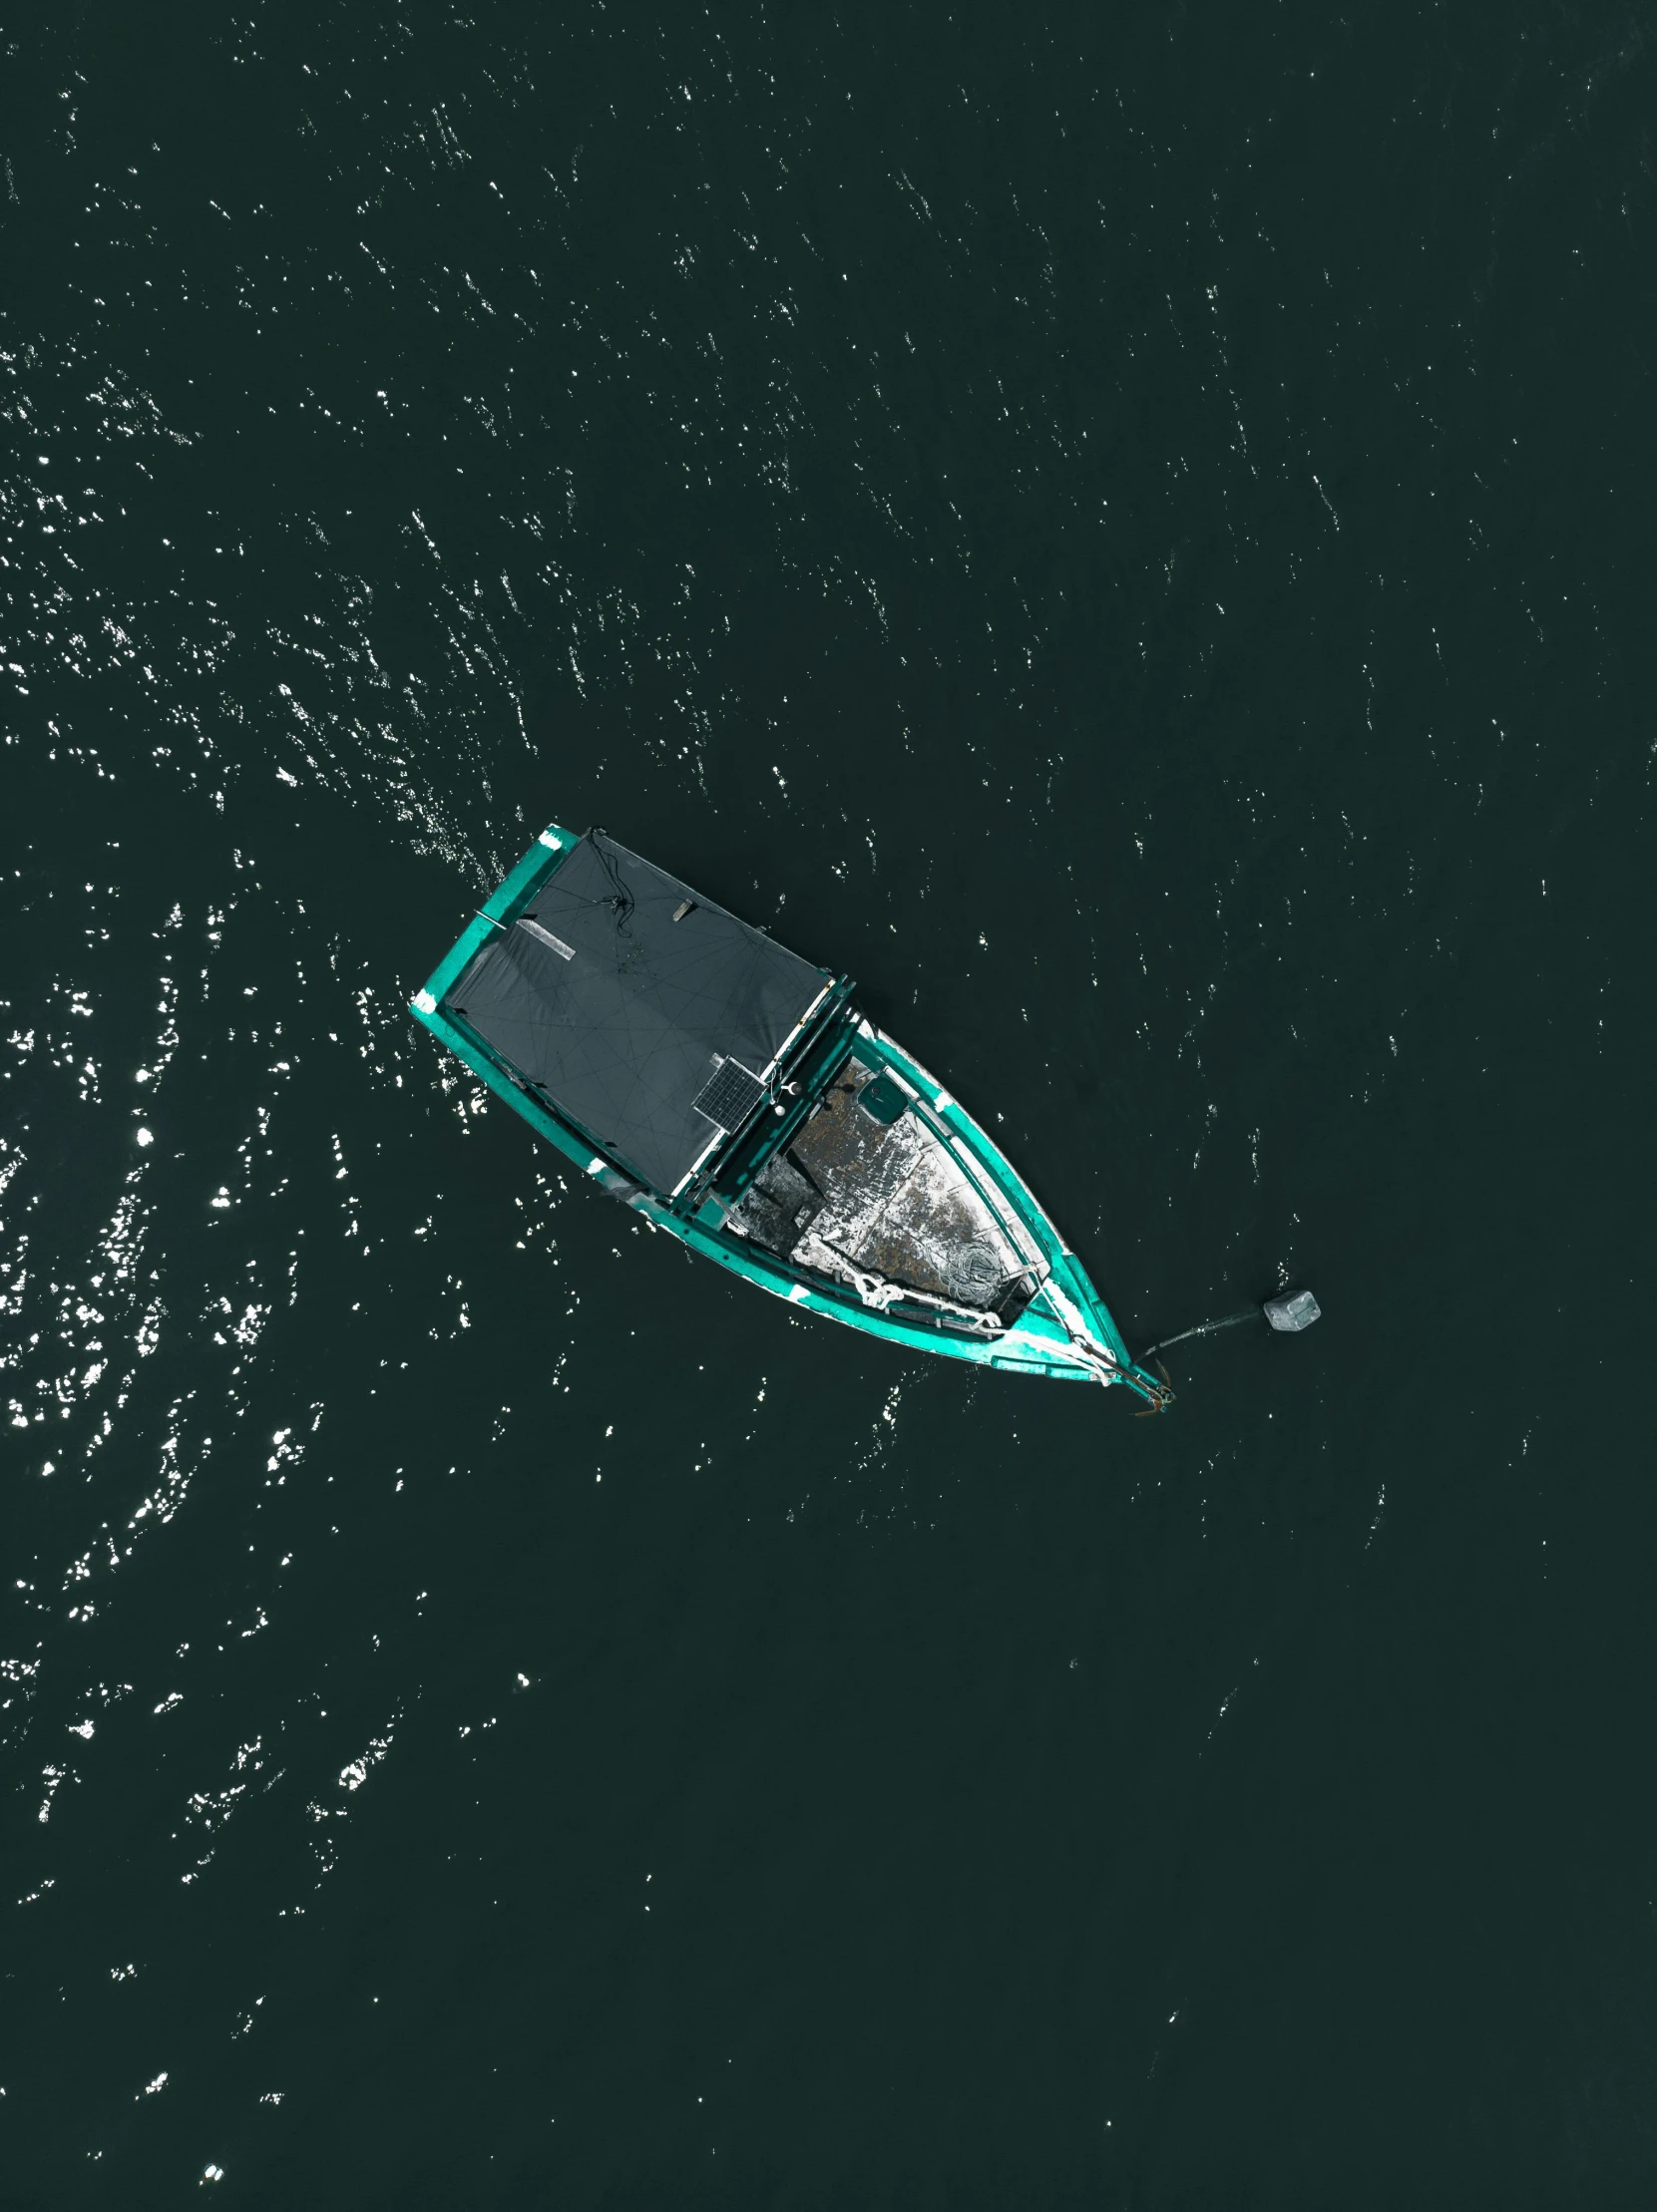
(896, 1204)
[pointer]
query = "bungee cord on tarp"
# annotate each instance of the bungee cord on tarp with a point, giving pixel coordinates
(621, 903)
(623, 899)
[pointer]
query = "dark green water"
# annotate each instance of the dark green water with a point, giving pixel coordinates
(1132, 534)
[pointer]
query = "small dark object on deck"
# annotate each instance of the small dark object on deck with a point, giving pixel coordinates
(1292, 1311)
(882, 1100)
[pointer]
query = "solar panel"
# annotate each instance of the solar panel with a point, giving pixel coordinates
(730, 1096)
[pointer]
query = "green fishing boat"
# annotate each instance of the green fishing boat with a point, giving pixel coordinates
(734, 1097)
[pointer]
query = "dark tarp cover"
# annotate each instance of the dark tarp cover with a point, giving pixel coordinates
(624, 1034)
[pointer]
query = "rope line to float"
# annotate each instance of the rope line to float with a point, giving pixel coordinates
(1205, 1329)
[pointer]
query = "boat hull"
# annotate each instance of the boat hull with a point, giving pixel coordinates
(1066, 1331)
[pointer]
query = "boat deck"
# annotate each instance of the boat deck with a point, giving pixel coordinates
(883, 1197)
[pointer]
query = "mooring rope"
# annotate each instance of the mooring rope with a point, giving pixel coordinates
(1205, 1329)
